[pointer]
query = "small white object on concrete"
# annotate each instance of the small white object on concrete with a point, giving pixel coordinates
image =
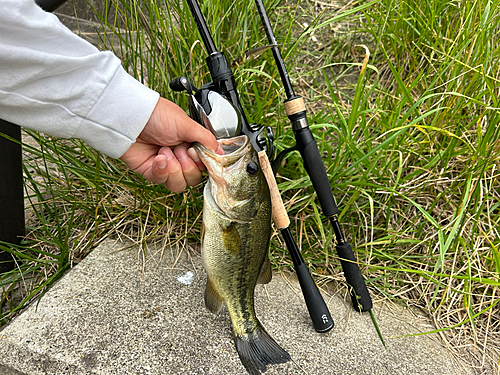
(186, 279)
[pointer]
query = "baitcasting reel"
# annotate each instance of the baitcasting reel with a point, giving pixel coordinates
(216, 106)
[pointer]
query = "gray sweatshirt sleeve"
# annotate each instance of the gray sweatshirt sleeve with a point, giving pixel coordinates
(53, 81)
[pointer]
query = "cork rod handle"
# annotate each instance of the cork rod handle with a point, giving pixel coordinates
(280, 217)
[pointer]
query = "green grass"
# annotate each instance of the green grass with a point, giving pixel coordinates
(411, 142)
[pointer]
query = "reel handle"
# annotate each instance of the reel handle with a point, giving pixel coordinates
(182, 84)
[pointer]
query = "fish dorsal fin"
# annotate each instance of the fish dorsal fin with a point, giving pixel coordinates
(231, 239)
(265, 272)
(213, 300)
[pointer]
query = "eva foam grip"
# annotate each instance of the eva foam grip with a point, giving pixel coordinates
(360, 296)
(318, 311)
(313, 163)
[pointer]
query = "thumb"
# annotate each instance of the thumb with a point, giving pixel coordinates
(198, 133)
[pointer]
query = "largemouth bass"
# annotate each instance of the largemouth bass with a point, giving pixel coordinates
(235, 240)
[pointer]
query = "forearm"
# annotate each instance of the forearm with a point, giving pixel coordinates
(55, 82)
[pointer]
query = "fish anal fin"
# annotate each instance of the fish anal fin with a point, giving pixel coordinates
(265, 273)
(213, 300)
(231, 239)
(257, 350)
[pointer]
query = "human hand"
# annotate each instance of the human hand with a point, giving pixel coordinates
(163, 153)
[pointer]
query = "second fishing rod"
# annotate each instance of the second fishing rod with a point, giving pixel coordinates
(305, 143)
(206, 106)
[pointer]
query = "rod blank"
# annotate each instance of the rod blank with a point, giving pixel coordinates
(276, 52)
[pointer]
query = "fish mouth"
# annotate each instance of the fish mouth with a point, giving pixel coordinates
(234, 148)
(221, 167)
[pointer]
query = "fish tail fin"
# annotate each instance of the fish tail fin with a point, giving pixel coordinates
(257, 350)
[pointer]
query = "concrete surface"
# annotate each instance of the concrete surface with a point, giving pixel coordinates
(4, 370)
(116, 314)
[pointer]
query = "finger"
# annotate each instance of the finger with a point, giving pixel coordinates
(191, 172)
(159, 170)
(194, 156)
(175, 181)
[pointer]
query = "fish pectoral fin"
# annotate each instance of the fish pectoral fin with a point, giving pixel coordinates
(231, 239)
(213, 300)
(265, 272)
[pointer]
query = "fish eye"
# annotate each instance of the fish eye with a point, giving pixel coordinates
(252, 168)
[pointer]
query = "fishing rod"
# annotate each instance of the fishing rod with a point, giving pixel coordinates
(313, 163)
(216, 105)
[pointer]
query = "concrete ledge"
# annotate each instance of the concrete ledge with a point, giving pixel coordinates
(115, 314)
